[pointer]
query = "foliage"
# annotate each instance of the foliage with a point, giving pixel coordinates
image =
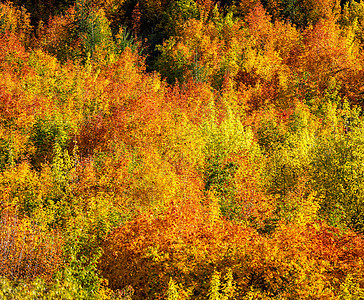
(337, 166)
(27, 250)
(16, 20)
(303, 13)
(180, 244)
(181, 149)
(63, 288)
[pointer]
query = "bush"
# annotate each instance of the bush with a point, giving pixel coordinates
(26, 250)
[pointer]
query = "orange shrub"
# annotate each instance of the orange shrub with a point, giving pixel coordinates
(188, 244)
(185, 242)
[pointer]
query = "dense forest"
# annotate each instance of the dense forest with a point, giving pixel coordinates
(181, 149)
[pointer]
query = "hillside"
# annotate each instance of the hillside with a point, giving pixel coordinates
(181, 150)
